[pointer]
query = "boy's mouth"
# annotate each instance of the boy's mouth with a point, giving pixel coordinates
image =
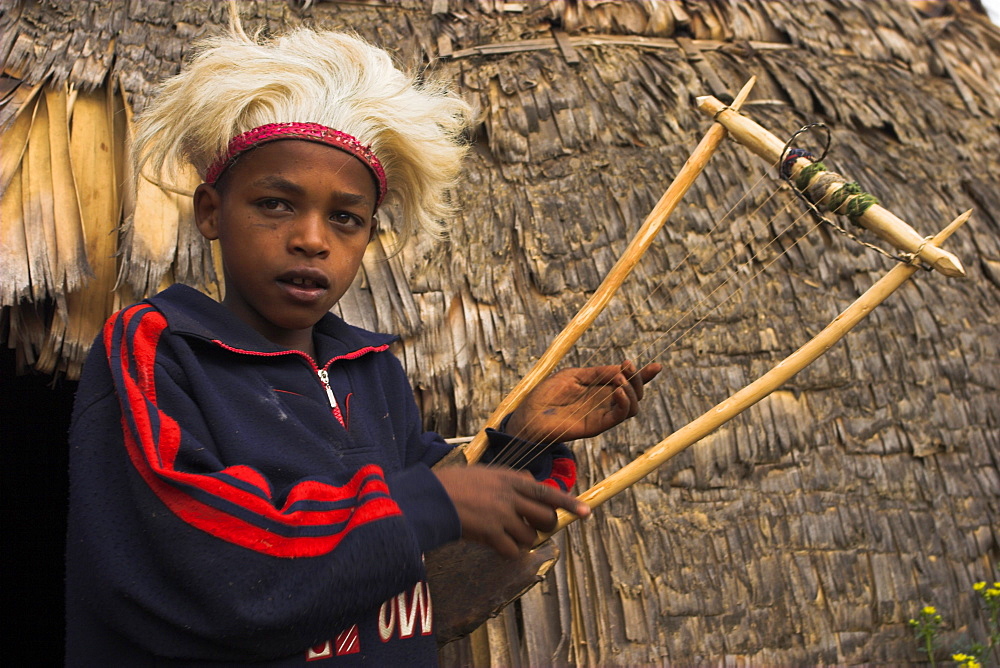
(307, 279)
(306, 282)
(304, 285)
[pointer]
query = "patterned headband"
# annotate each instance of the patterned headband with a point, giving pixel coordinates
(313, 132)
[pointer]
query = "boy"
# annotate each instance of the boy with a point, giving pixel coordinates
(249, 480)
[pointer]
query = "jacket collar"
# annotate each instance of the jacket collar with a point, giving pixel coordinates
(194, 314)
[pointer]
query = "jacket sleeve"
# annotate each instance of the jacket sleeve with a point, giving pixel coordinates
(553, 465)
(193, 558)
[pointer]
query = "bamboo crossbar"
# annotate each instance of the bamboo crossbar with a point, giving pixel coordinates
(704, 425)
(877, 219)
(654, 222)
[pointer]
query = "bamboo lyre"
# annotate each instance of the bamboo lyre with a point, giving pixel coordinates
(881, 221)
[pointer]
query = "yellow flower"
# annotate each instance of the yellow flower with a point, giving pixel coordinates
(966, 661)
(929, 610)
(979, 586)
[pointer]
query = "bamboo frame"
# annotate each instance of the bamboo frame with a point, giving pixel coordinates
(623, 267)
(877, 219)
(708, 422)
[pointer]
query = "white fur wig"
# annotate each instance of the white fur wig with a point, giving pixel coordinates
(236, 83)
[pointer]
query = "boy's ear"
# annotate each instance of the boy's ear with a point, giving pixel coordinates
(206, 211)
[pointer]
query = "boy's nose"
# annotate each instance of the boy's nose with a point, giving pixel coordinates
(309, 236)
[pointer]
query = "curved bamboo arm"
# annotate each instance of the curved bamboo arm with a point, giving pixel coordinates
(702, 426)
(623, 267)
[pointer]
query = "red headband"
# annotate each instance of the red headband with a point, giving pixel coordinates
(308, 132)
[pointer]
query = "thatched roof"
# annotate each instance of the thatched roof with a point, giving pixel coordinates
(808, 531)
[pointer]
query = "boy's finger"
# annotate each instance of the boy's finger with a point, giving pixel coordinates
(505, 545)
(638, 378)
(634, 379)
(626, 396)
(553, 497)
(539, 513)
(522, 530)
(599, 375)
(650, 371)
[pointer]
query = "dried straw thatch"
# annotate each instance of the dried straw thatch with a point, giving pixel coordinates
(808, 531)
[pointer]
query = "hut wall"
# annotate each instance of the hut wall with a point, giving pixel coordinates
(807, 531)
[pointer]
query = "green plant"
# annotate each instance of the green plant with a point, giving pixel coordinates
(925, 627)
(928, 623)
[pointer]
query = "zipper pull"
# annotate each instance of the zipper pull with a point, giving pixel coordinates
(324, 378)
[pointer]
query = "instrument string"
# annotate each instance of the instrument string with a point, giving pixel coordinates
(529, 451)
(525, 453)
(512, 452)
(521, 452)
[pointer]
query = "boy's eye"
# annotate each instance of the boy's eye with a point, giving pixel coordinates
(272, 204)
(345, 218)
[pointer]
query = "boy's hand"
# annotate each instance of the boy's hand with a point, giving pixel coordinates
(503, 508)
(578, 403)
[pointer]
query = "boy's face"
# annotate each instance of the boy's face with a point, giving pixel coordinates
(293, 219)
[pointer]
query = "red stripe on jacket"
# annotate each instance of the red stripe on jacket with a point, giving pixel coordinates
(563, 474)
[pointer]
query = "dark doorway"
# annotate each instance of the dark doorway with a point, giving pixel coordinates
(34, 420)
